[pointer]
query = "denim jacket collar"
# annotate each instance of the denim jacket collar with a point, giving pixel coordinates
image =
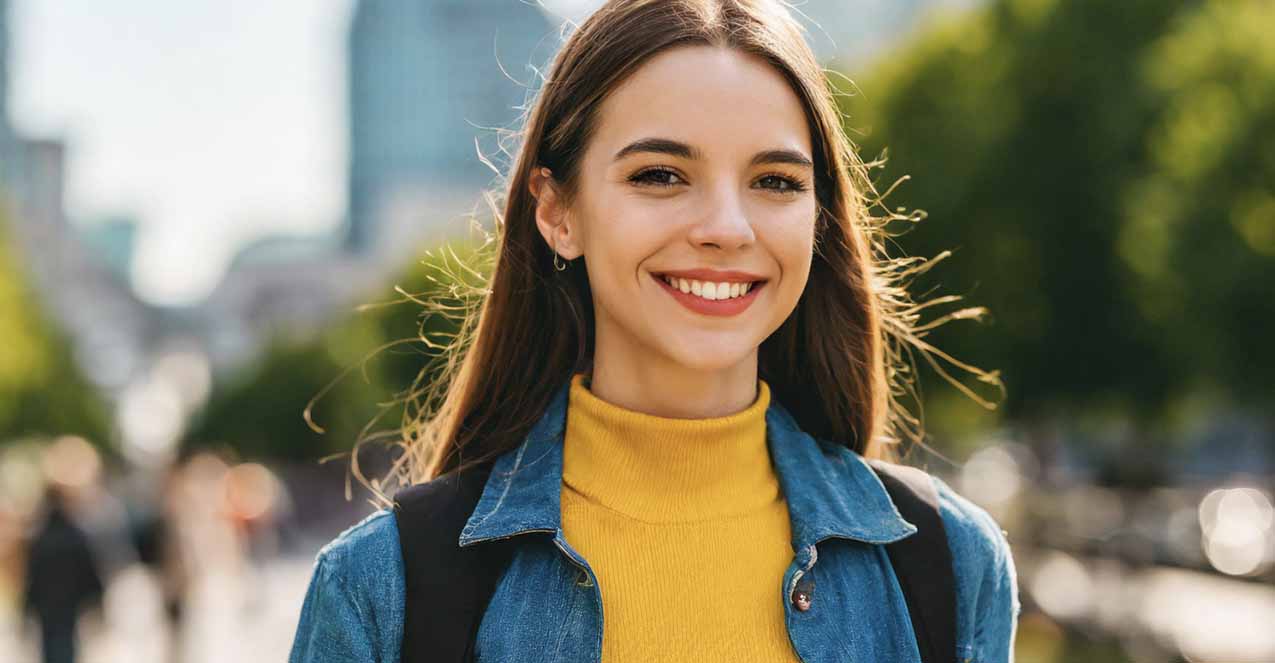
(830, 490)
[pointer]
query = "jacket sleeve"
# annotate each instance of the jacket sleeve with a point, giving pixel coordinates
(353, 607)
(998, 606)
(332, 627)
(986, 580)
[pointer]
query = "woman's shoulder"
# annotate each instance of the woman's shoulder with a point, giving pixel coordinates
(354, 605)
(985, 573)
(365, 560)
(972, 531)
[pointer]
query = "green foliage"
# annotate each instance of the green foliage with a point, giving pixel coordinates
(1199, 223)
(1103, 173)
(42, 392)
(258, 413)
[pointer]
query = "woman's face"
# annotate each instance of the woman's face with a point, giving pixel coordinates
(701, 160)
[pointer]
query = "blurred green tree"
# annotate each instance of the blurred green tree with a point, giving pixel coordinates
(1103, 174)
(42, 391)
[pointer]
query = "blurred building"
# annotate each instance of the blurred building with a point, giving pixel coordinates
(425, 83)
(280, 286)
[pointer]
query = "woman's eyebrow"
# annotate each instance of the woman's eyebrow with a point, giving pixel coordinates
(680, 149)
(792, 157)
(659, 146)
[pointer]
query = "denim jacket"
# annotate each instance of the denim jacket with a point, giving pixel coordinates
(548, 606)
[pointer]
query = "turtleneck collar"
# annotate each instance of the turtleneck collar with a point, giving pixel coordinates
(664, 470)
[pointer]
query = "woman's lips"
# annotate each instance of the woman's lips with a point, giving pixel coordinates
(719, 307)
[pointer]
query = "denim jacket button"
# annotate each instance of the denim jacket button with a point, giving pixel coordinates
(804, 594)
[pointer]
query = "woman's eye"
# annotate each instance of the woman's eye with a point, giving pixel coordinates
(781, 184)
(664, 177)
(656, 177)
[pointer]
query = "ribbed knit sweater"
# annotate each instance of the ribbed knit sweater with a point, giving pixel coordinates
(685, 525)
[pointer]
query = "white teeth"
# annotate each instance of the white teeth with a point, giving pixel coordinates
(708, 289)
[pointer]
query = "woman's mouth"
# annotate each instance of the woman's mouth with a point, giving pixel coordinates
(720, 298)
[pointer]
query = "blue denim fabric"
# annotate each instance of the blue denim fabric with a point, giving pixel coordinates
(548, 606)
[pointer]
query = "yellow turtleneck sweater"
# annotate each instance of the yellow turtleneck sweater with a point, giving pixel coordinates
(684, 524)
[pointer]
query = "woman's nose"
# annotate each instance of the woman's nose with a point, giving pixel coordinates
(724, 222)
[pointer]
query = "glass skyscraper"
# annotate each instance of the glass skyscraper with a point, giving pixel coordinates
(425, 81)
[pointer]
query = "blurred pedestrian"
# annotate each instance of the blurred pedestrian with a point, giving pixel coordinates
(161, 549)
(62, 578)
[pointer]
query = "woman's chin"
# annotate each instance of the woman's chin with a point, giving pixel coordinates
(714, 358)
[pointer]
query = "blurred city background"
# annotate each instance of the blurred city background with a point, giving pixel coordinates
(216, 216)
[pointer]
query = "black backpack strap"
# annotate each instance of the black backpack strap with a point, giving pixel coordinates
(448, 587)
(923, 561)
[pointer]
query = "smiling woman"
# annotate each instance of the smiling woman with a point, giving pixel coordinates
(675, 405)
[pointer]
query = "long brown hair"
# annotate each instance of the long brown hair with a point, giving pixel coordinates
(837, 362)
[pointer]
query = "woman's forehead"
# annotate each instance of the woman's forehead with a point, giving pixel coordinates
(717, 100)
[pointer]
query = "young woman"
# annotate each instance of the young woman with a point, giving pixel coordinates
(677, 378)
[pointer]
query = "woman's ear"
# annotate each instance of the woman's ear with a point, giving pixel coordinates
(552, 216)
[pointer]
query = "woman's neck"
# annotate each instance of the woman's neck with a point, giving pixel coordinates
(676, 392)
